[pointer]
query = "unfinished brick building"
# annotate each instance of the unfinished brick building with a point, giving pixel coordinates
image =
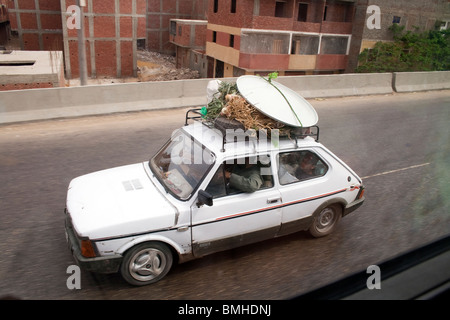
(112, 32)
(240, 36)
(114, 29)
(298, 37)
(189, 36)
(411, 14)
(159, 14)
(293, 37)
(37, 23)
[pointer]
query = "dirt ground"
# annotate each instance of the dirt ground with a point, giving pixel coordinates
(152, 66)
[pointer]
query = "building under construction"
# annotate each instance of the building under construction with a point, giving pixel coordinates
(218, 38)
(297, 37)
(113, 30)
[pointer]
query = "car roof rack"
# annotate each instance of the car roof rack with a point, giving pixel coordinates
(197, 115)
(240, 134)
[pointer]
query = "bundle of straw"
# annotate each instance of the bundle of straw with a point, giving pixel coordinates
(239, 109)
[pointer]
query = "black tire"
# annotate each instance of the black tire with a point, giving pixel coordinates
(146, 263)
(325, 221)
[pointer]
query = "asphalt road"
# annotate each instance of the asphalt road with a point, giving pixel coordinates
(399, 143)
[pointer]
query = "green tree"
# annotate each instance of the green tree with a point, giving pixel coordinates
(410, 51)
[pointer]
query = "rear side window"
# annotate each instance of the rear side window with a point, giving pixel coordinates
(298, 166)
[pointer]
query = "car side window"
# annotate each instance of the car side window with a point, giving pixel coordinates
(216, 186)
(248, 174)
(297, 166)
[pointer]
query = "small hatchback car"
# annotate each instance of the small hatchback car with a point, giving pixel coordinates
(205, 192)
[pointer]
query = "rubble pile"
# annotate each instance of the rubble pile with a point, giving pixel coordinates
(154, 66)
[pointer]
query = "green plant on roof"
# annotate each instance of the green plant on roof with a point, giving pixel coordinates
(218, 102)
(272, 75)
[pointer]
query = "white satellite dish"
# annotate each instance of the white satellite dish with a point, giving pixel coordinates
(277, 101)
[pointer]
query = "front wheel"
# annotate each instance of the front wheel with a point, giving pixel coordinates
(325, 222)
(146, 263)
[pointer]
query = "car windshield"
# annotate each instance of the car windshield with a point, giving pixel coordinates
(181, 165)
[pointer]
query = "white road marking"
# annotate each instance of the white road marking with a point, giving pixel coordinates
(396, 170)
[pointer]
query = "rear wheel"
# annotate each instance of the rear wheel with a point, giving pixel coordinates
(146, 263)
(325, 222)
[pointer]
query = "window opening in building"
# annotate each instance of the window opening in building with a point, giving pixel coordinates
(216, 6)
(233, 6)
(396, 19)
(302, 12)
(305, 44)
(219, 69)
(140, 43)
(280, 9)
(214, 39)
(334, 45)
(231, 40)
(264, 43)
(325, 13)
(16, 63)
(348, 13)
(173, 28)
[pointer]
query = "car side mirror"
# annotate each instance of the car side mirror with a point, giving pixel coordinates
(204, 198)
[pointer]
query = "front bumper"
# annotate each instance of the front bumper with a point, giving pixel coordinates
(353, 206)
(105, 264)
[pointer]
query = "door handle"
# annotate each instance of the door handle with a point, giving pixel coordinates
(273, 200)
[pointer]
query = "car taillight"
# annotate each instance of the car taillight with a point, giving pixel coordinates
(87, 249)
(360, 193)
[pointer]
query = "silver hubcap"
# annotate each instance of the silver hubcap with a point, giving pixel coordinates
(325, 219)
(147, 264)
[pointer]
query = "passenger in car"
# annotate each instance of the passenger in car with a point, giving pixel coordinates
(245, 177)
(288, 164)
(285, 176)
(307, 167)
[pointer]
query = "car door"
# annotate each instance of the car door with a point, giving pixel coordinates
(236, 217)
(303, 178)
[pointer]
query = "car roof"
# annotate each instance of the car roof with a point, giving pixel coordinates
(212, 138)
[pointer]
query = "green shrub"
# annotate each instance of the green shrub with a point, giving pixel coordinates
(410, 51)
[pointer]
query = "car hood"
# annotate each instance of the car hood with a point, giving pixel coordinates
(117, 202)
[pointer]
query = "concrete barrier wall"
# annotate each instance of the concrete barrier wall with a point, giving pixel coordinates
(38, 104)
(25, 105)
(323, 86)
(421, 81)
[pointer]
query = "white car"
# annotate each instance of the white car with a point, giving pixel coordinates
(202, 193)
